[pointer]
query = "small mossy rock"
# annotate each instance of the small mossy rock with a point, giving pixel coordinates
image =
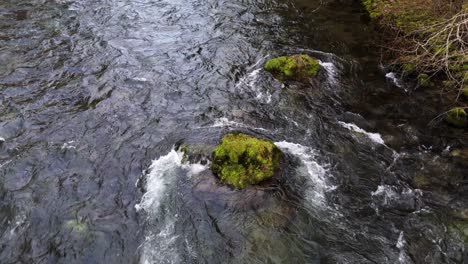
(299, 67)
(242, 160)
(457, 117)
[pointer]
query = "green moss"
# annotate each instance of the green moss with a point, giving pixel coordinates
(449, 84)
(457, 117)
(411, 20)
(76, 225)
(296, 67)
(465, 66)
(421, 181)
(371, 7)
(242, 160)
(460, 227)
(408, 68)
(424, 80)
(465, 91)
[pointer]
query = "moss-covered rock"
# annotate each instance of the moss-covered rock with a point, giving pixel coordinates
(242, 160)
(457, 117)
(296, 67)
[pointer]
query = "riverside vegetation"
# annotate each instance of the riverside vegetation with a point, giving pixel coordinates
(428, 43)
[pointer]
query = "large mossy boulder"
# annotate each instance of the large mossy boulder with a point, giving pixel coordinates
(242, 160)
(299, 67)
(457, 117)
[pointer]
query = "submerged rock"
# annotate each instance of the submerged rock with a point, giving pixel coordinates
(242, 160)
(196, 153)
(457, 117)
(76, 225)
(299, 67)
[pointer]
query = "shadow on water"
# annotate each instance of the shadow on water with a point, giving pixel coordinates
(96, 94)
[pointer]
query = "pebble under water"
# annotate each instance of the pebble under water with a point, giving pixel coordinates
(97, 95)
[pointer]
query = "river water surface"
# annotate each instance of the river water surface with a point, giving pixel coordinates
(96, 95)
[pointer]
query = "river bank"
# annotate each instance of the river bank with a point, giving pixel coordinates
(426, 43)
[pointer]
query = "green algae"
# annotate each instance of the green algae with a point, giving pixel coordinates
(194, 153)
(460, 227)
(296, 67)
(76, 225)
(457, 117)
(242, 160)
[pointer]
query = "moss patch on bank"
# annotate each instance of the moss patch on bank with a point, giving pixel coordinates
(457, 117)
(426, 40)
(296, 67)
(242, 160)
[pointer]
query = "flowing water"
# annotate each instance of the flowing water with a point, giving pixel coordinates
(96, 95)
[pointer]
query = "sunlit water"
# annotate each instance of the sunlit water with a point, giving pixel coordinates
(97, 95)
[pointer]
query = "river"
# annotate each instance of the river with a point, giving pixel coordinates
(96, 95)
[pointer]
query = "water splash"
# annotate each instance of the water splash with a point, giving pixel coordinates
(388, 196)
(250, 81)
(402, 256)
(315, 172)
(397, 82)
(225, 122)
(331, 70)
(68, 145)
(375, 137)
(160, 241)
(162, 172)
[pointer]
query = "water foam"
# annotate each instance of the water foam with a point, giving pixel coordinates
(162, 172)
(392, 76)
(375, 137)
(331, 70)
(250, 81)
(224, 122)
(315, 172)
(68, 145)
(396, 197)
(402, 256)
(159, 245)
(5, 163)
